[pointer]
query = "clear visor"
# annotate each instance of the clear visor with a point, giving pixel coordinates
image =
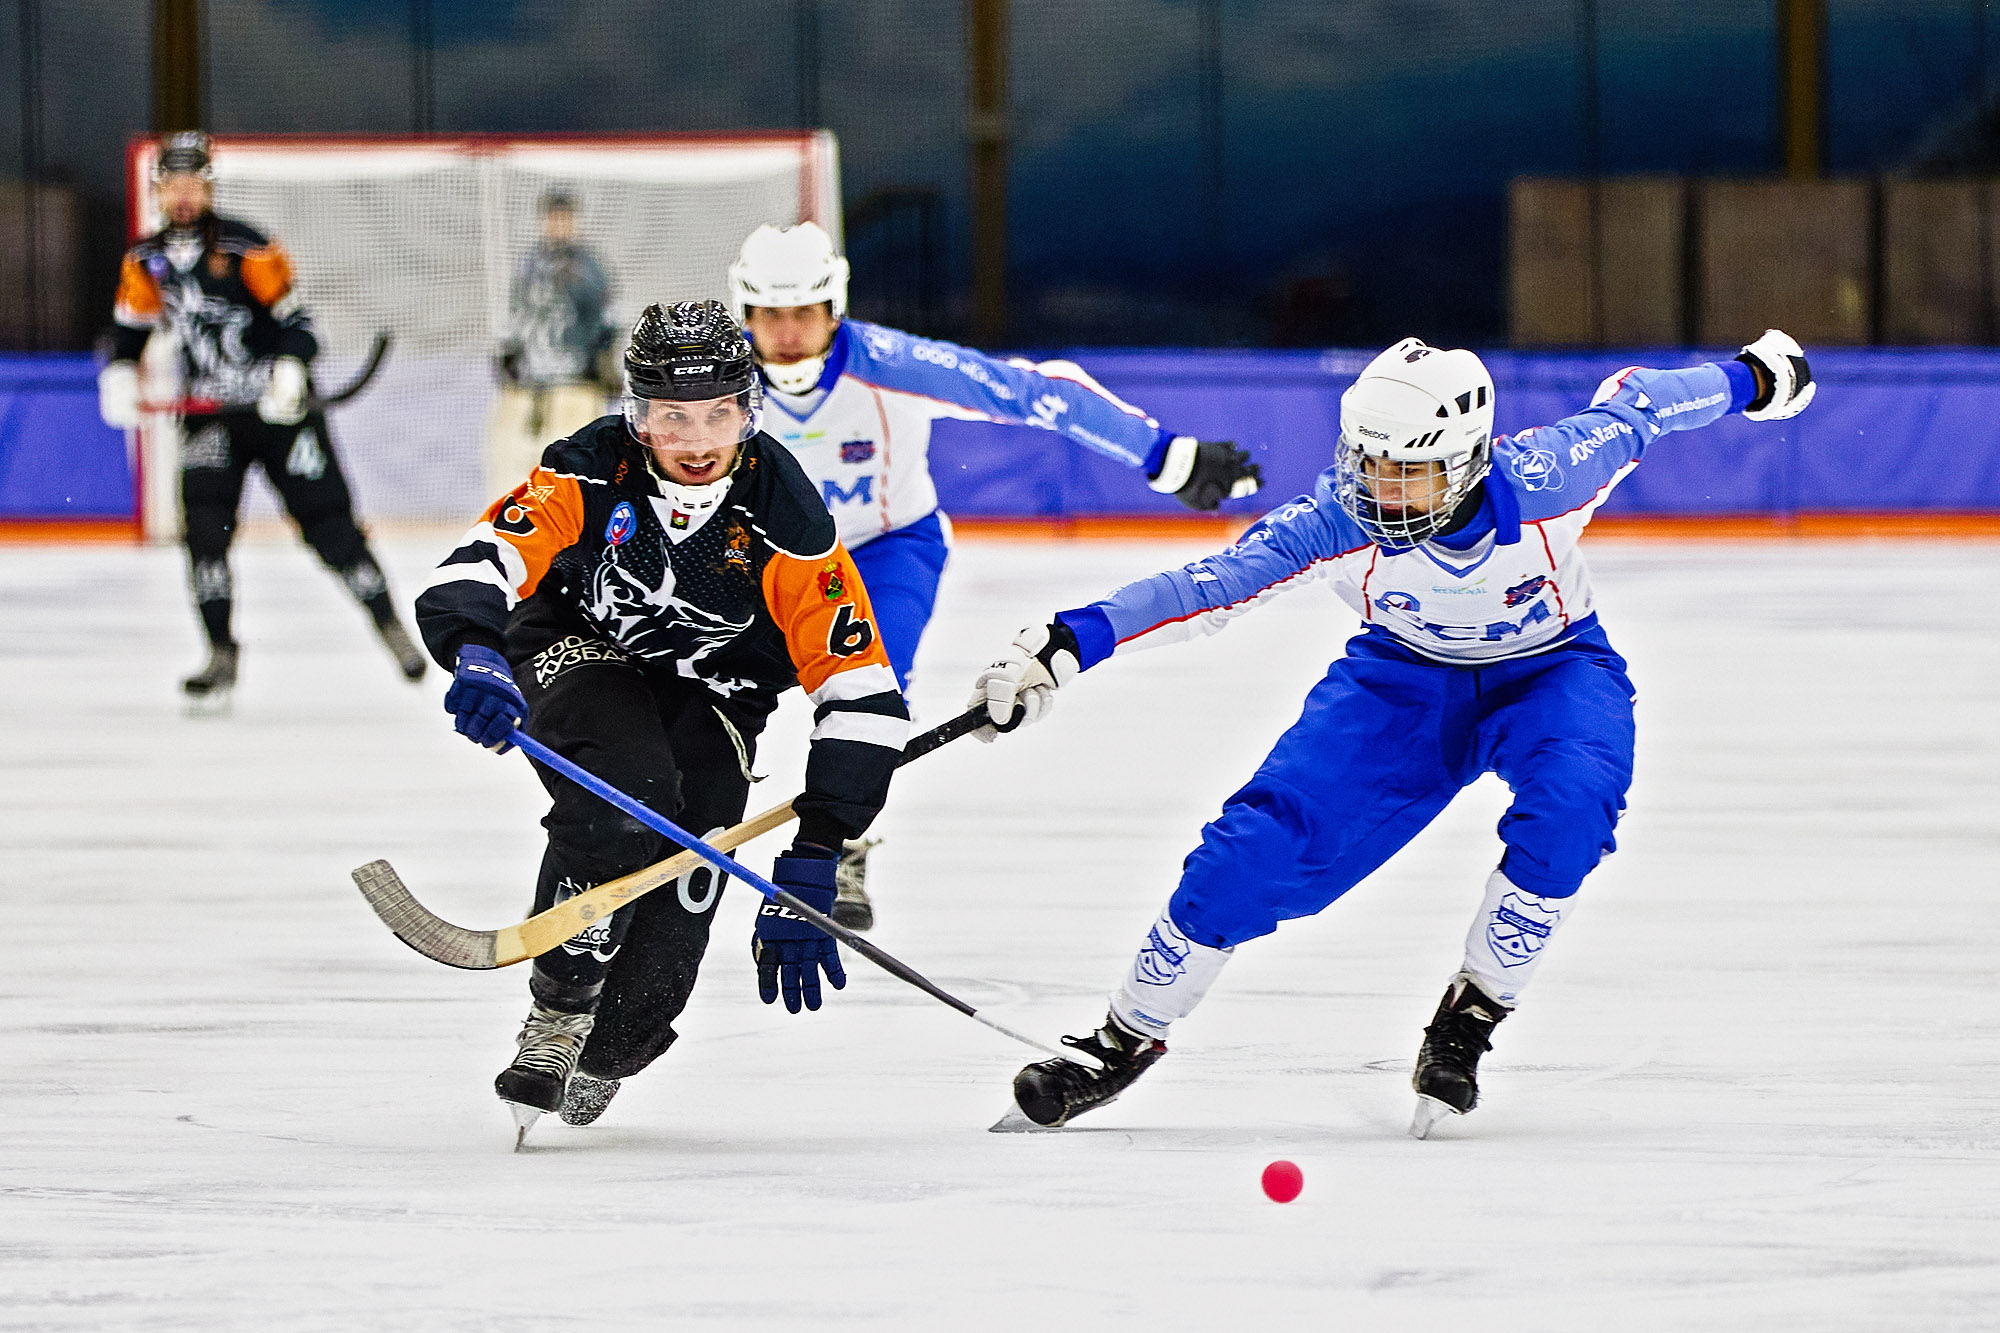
(1402, 503)
(691, 427)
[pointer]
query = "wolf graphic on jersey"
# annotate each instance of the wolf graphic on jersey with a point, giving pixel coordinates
(652, 622)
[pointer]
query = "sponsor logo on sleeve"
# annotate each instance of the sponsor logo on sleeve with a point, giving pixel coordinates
(623, 523)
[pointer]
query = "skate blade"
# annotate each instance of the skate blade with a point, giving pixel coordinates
(216, 703)
(1429, 1112)
(524, 1120)
(1016, 1123)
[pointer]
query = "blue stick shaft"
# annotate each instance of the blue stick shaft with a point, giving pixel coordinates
(652, 819)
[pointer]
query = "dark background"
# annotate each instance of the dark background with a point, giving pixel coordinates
(1221, 172)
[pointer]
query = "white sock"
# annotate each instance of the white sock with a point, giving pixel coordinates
(1505, 944)
(1167, 979)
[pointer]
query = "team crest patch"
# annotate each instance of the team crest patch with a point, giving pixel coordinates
(1521, 592)
(832, 584)
(1538, 470)
(678, 520)
(857, 451)
(623, 524)
(737, 552)
(1517, 930)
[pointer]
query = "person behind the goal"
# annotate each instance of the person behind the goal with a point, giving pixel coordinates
(1480, 653)
(224, 291)
(638, 604)
(855, 404)
(552, 361)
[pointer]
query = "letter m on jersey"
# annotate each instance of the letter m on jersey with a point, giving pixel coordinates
(863, 491)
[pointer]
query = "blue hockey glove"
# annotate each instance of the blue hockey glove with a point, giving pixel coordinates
(483, 700)
(788, 948)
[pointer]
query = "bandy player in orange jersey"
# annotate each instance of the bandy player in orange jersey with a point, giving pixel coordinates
(638, 605)
(224, 291)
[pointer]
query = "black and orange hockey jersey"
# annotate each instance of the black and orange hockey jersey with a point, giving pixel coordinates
(587, 557)
(225, 291)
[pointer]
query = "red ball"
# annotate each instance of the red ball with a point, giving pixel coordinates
(1283, 1181)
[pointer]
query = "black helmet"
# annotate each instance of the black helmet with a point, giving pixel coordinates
(689, 350)
(185, 152)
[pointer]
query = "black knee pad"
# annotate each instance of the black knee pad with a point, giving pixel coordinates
(606, 842)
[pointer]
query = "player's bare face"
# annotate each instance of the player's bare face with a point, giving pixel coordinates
(1405, 488)
(694, 443)
(184, 197)
(786, 336)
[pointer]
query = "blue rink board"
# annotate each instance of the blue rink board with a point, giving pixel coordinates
(1891, 429)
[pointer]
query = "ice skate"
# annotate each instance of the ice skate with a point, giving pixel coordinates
(1053, 1092)
(409, 657)
(208, 690)
(1447, 1074)
(586, 1097)
(549, 1043)
(851, 907)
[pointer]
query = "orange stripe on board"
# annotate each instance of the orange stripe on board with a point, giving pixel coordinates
(1644, 527)
(15, 531)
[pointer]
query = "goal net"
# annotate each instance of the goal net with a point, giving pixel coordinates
(421, 237)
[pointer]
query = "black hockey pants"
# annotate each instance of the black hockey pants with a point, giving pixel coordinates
(668, 742)
(216, 454)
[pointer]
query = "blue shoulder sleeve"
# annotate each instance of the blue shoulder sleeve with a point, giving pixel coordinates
(1056, 395)
(1286, 547)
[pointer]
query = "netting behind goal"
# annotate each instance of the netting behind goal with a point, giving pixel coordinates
(421, 238)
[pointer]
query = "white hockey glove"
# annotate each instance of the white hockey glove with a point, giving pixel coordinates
(118, 395)
(284, 400)
(1204, 473)
(1777, 358)
(1020, 688)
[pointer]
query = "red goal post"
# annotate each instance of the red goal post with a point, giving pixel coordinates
(420, 236)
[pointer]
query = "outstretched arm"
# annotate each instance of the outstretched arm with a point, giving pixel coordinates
(1063, 397)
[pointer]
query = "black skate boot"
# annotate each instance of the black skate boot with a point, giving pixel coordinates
(208, 689)
(408, 656)
(1447, 1076)
(851, 907)
(586, 1097)
(1054, 1092)
(549, 1043)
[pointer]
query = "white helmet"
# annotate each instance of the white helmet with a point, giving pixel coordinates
(781, 267)
(1414, 404)
(787, 267)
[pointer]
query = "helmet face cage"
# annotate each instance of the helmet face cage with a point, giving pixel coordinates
(1400, 529)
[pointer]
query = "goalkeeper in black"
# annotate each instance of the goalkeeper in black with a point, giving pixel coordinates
(224, 292)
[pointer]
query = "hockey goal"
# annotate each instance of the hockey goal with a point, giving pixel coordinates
(420, 237)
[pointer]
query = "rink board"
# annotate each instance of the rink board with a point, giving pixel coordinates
(1755, 1084)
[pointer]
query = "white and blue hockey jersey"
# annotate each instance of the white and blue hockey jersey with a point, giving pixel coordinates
(1520, 587)
(863, 432)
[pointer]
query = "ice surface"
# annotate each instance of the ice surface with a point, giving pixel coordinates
(1756, 1085)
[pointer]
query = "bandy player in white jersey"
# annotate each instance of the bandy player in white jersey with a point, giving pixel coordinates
(854, 403)
(1480, 652)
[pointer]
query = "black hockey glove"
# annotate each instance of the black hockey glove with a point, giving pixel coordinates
(1201, 474)
(788, 948)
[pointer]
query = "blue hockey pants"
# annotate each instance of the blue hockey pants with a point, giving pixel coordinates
(1385, 741)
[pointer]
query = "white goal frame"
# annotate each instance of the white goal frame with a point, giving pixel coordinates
(778, 176)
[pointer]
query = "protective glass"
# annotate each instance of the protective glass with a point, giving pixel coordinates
(667, 423)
